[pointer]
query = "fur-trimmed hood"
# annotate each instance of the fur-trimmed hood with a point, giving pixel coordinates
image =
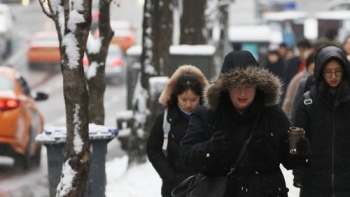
(269, 84)
(169, 87)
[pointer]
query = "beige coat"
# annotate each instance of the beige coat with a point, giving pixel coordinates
(292, 87)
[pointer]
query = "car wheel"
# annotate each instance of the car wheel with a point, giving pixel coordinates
(22, 162)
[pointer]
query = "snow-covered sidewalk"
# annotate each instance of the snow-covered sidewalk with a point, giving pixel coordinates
(142, 180)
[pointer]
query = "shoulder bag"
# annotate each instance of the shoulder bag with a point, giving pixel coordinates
(204, 186)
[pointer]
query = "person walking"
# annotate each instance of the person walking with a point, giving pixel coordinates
(241, 104)
(297, 63)
(274, 63)
(181, 95)
(324, 114)
(346, 46)
(293, 85)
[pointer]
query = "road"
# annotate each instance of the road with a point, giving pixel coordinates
(27, 21)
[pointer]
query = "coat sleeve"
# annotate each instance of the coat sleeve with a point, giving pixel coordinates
(280, 123)
(297, 96)
(155, 153)
(194, 147)
(302, 120)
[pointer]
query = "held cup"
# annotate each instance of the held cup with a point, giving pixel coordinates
(294, 133)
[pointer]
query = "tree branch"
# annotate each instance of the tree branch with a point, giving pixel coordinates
(46, 12)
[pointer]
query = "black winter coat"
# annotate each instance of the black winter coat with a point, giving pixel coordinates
(327, 127)
(169, 168)
(258, 174)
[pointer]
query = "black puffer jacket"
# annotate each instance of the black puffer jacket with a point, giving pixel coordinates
(170, 168)
(327, 126)
(258, 174)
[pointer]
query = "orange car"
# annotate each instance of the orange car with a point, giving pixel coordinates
(43, 49)
(20, 120)
(124, 34)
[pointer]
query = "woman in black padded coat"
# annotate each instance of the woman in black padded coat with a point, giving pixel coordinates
(327, 126)
(242, 100)
(180, 96)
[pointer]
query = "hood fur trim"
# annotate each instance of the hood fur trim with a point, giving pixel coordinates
(169, 87)
(269, 84)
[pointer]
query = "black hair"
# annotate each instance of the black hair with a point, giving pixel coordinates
(331, 33)
(237, 46)
(283, 45)
(185, 82)
(310, 59)
(304, 43)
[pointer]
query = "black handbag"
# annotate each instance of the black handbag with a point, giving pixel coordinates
(204, 186)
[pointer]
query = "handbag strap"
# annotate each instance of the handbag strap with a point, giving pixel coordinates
(190, 179)
(184, 183)
(241, 153)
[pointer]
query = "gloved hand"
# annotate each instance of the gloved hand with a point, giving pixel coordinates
(302, 146)
(218, 141)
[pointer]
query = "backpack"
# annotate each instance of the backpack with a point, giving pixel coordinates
(166, 129)
(309, 83)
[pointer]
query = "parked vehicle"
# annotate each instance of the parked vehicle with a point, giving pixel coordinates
(124, 34)
(43, 49)
(20, 119)
(115, 69)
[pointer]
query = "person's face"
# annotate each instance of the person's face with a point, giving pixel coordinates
(273, 58)
(346, 46)
(242, 97)
(188, 100)
(282, 51)
(303, 51)
(311, 68)
(333, 73)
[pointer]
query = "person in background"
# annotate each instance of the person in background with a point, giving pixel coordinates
(282, 51)
(330, 38)
(181, 95)
(275, 64)
(242, 102)
(309, 70)
(346, 46)
(325, 119)
(297, 63)
(289, 54)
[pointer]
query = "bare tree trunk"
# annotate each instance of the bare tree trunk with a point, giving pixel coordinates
(165, 35)
(222, 48)
(72, 39)
(192, 22)
(97, 84)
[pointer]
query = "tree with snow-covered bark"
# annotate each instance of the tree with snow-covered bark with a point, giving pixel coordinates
(72, 21)
(97, 49)
(156, 40)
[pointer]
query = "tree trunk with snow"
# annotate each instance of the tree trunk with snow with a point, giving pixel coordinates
(97, 59)
(72, 20)
(192, 22)
(156, 40)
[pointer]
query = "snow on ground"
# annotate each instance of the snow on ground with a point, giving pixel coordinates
(142, 180)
